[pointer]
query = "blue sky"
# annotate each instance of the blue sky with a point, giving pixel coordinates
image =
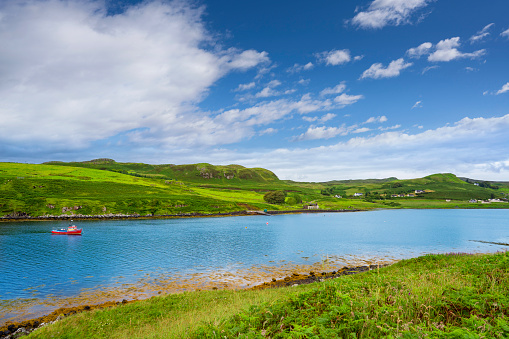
(313, 91)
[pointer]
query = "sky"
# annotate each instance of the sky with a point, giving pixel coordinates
(311, 90)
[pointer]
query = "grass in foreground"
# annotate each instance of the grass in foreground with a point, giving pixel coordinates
(437, 296)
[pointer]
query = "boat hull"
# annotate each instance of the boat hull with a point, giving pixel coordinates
(76, 232)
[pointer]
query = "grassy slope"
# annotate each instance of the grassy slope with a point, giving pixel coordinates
(436, 296)
(35, 188)
(105, 186)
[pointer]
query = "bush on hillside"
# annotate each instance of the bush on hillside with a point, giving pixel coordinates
(274, 197)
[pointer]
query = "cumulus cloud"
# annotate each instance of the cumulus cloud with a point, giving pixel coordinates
(419, 51)
(390, 127)
(482, 34)
(447, 50)
(327, 117)
(72, 74)
(321, 132)
(378, 119)
(334, 90)
(245, 87)
(269, 90)
(335, 57)
(299, 68)
(346, 99)
(466, 148)
(361, 130)
(269, 130)
(505, 33)
(504, 89)
(381, 13)
(377, 71)
(322, 119)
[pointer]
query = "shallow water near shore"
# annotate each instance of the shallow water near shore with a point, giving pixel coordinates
(129, 259)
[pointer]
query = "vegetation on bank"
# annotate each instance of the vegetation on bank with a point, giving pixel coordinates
(103, 186)
(435, 296)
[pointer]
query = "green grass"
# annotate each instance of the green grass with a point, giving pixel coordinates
(433, 296)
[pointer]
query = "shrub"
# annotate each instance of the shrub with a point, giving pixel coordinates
(274, 197)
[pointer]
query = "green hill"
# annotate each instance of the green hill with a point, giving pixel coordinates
(106, 187)
(58, 188)
(199, 173)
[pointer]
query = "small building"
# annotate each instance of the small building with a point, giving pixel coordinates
(311, 206)
(410, 195)
(337, 196)
(473, 201)
(447, 200)
(358, 194)
(419, 191)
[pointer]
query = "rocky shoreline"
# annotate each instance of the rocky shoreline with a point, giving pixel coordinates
(20, 216)
(12, 330)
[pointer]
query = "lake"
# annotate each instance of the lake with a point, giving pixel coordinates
(126, 259)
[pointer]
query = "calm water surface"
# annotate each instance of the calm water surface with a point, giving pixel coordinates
(36, 265)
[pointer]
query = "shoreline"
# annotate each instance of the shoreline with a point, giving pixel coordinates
(29, 325)
(163, 216)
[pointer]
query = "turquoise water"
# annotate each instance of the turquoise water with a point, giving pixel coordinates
(36, 264)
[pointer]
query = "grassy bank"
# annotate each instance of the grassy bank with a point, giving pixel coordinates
(438, 296)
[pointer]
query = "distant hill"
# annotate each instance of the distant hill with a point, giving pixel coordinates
(202, 172)
(360, 181)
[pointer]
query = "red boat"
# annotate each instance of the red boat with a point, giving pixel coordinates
(71, 230)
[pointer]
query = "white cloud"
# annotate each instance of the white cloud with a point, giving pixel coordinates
(245, 87)
(381, 13)
(466, 148)
(378, 119)
(334, 90)
(483, 33)
(299, 68)
(335, 57)
(346, 99)
(309, 119)
(266, 92)
(377, 71)
(269, 130)
(361, 130)
(429, 68)
(321, 132)
(390, 127)
(274, 83)
(324, 118)
(418, 104)
(269, 91)
(74, 75)
(505, 33)
(246, 59)
(419, 51)
(446, 50)
(504, 89)
(327, 117)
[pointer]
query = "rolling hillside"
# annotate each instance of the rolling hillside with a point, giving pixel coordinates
(106, 187)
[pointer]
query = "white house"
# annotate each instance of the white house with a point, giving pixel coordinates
(358, 194)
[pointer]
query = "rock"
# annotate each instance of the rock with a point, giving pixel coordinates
(21, 332)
